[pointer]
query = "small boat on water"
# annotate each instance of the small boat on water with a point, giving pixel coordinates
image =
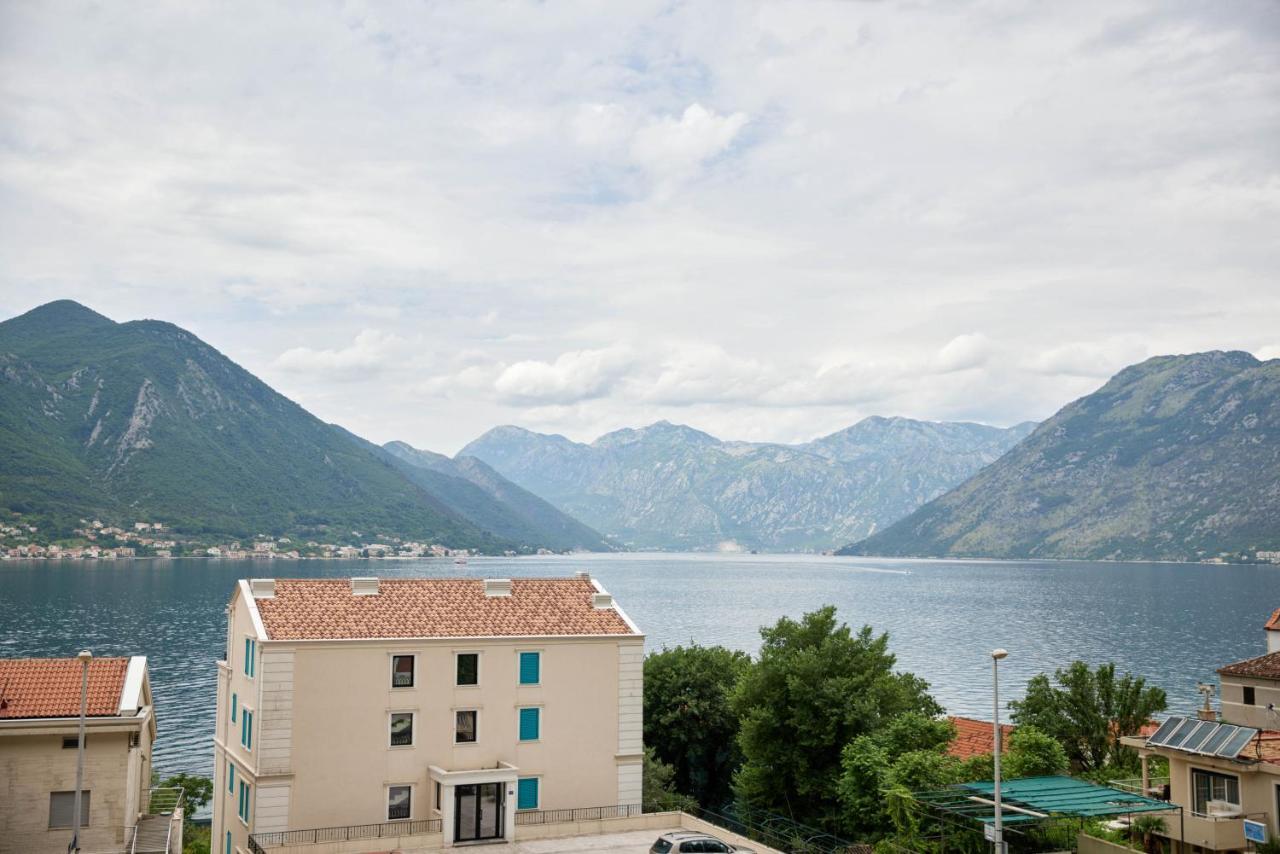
(460, 560)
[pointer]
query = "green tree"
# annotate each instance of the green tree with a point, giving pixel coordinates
(1088, 711)
(1032, 754)
(688, 719)
(816, 687)
(657, 786)
(196, 790)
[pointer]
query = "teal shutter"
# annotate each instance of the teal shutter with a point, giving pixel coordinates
(527, 793)
(529, 721)
(231, 776)
(530, 668)
(228, 842)
(233, 708)
(247, 657)
(248, 730)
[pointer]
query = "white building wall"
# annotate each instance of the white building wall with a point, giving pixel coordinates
(630, 721)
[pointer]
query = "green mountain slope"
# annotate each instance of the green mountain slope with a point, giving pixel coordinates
(670, 486)
(143, 421)
(476, 492)
(1176, 458)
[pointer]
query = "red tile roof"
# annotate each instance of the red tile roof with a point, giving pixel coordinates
(50, 687)
(314, 609)
(1273, 624)
(1263, 667)
(976, 738)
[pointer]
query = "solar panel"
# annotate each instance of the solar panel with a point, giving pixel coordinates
(1219, 738)
(1180, 734)
(1237, 743)
(1157, 738)
(1199, 735)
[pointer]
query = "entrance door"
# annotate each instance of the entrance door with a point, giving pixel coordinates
(477, 812)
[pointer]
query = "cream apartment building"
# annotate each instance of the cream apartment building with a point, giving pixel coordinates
(360, 701)
(39, 739)
(1224, 767)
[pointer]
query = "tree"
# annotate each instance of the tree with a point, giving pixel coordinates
(816, 687)
(1088, 711)
(688, 719)
(196, 790)
(657, 786)
(1032, 754)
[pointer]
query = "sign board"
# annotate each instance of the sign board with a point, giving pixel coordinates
(1255, 831)
(990, 832)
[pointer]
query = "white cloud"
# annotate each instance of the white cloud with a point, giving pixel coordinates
(1266, 354)
(792, 214)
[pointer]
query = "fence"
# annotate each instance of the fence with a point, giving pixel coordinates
(528, 817)
(343, 834)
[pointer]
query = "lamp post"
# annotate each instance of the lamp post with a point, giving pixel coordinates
(996, 656)
(84, 658)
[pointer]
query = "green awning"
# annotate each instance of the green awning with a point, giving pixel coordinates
(1049, 796)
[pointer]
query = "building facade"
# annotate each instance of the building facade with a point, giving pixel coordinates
(39, 740)
(1224, 766)
(361, 701)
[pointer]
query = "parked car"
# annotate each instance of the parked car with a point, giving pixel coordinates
(683, 841)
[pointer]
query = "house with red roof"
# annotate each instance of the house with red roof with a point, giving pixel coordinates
(39, 744)
(462, 707)
(977, 738)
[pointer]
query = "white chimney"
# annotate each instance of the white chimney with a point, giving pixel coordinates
(601, 601)
(262, 588)
(497, 587)
(365, 586)
(583, 574)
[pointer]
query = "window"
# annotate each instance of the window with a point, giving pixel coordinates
(1248, 696)
(233, 708)
(246, 729)
(530, 719)
(464, 731)
(401, 729)
(402, 671)
(1207, 786)
(398, 798)
(228, 842)
(530, 668)
(439, 806)
(250, 648)
(662, 846)
(231, 777)
(243, 811)
(62, 809)
(72, 742)
(468, 668)
(527, 793)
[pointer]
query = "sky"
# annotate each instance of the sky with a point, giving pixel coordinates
(765, 220)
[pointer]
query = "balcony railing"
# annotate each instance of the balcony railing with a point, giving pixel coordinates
(1156, 786)
(387, 829)
(527, 817)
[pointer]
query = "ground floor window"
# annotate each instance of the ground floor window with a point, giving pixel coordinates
(527, 793)
(1208, 786)
(398, 802)
(62, 808)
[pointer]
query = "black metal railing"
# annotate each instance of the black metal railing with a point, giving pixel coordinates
(775, 831)
(528, 817)
(343, 834)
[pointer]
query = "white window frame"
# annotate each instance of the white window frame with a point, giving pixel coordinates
(479, 667)
(520, 777)
(248, 801)
(476, 711)
(391, 667)
(413, 798)
(1191, 786)
(413, 728)
(437, 795)
(252, 720)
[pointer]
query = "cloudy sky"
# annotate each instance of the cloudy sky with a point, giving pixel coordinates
(420, 220)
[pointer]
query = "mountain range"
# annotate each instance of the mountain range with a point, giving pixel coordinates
(674, 487)
(1175, 458)
(144, 421)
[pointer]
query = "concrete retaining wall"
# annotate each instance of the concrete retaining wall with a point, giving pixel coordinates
(1086, 844)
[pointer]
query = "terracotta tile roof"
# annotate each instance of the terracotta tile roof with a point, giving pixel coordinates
(976, 738)
(1273, 624)
(50, 687)
(314, 609)
(1263, 667)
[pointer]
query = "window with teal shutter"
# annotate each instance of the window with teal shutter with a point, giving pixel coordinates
(529, 721)
(231, 776)
(233, 708)
(228, 842)
(530, 668)
(246, 729)
(527, 793)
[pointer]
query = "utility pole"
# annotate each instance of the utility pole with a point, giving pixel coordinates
(996, 656)
(84, 658)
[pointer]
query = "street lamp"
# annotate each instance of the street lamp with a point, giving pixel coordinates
(84, 658)
(996, 656)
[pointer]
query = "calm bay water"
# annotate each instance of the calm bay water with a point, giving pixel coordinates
(1173, 623)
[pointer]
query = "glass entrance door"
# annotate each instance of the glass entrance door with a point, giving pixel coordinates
(477, 812)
